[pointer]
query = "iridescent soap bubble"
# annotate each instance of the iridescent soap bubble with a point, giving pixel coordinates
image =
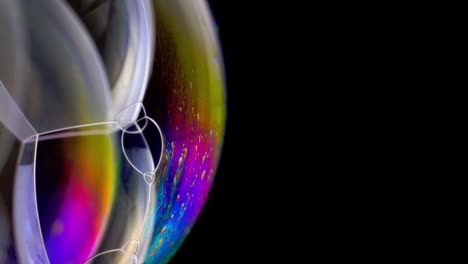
(92, 90)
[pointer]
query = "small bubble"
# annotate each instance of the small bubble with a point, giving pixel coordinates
(149, 177)
(203, 174)
(131, 247)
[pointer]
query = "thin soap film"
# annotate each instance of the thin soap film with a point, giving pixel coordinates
(13, 118)
(139, 159)
(138, 145)
(141, 143)
(15, 121)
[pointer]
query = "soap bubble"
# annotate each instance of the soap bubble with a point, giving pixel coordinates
(112, 118)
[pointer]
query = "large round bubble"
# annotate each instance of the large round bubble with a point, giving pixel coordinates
(112, 117)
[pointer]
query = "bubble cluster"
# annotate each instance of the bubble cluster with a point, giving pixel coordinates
(112, 118)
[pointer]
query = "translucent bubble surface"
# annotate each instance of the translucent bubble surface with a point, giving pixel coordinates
(112, 117)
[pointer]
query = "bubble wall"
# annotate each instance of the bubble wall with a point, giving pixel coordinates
(112, 118)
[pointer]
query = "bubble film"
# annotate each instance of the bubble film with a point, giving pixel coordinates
(112, 117)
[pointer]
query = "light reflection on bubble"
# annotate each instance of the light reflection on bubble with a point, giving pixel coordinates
(95, 59)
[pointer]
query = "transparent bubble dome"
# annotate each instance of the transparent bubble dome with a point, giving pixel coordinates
(112, 118)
